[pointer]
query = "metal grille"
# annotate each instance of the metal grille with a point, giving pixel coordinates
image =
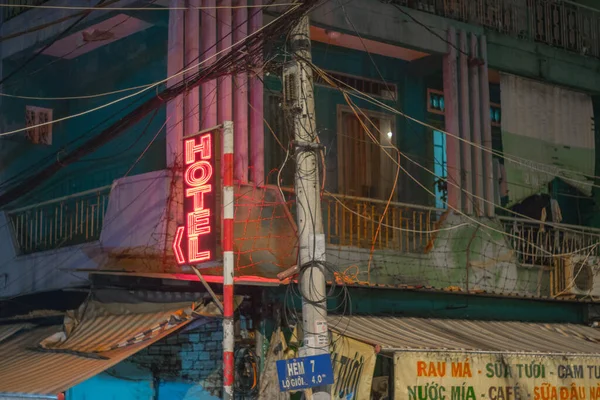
(61, 222)
(538, 244)
(14, 10)
(375, 88)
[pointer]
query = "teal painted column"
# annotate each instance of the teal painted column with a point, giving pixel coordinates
(414, 141)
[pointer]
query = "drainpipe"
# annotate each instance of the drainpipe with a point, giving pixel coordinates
(486, 128)
(476, 127)
(175, 113)
(257, 134)
(452, 120)
(240, 99)
(465, 126)
(209, 49)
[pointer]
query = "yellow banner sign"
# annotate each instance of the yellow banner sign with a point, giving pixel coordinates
(460, 376)
(353, 366)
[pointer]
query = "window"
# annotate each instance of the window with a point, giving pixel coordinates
(36, 116)
(372, 87)
(440, 168)
(366, 168)
(435, 101)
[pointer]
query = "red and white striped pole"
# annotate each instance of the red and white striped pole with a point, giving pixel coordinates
(228, 209)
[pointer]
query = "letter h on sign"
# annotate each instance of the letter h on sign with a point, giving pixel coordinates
(195, 241)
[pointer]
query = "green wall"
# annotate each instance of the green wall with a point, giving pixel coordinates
(372, 301)
(411, 138)
(136, 60)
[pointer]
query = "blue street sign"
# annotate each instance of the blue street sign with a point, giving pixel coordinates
(305, 372)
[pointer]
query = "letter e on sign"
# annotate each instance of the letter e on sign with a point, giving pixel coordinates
(196, 240)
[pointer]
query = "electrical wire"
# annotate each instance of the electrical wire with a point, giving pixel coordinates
(224, 65)
(428, 29)
(82, 97)
(155, 84)
(50, 7)
(75, 250)
(52, 23)
(518, 160)
(41, 162)
(86, 43)
(44, 48)
(473, 220)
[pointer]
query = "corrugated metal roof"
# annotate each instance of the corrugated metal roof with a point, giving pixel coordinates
(422, 334)
(104, 327)
(27, 368)
(7, 331)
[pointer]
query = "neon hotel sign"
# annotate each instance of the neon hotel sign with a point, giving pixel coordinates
(195, 241)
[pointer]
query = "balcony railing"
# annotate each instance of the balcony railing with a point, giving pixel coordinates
(61, 222)
(374, 224)
(14, 8)
(365, 223)
(539, 245)
(558, 23)
(357, 222)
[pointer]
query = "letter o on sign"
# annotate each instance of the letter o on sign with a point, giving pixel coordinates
(198, 173)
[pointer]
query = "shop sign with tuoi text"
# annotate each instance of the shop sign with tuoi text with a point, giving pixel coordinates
(195, 242)
(305, 372)
(464, 376)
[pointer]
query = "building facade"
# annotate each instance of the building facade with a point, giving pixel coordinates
(457, 158)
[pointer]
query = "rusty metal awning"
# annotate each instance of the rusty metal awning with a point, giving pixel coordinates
(41, 359)
(396, 334)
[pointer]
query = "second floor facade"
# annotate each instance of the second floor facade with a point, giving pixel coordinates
(401, 208)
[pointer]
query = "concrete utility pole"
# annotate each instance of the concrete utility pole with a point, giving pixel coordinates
(300, 108)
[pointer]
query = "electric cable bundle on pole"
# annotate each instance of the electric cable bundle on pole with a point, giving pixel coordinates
(300, 110)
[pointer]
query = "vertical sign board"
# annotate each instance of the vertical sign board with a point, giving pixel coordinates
(195, 242)
(305, 372)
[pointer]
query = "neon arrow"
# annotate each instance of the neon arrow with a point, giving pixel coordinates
(177, 245)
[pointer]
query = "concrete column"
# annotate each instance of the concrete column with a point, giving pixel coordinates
(192, 57)
(174, 122)
(476, 127)
(257, 132)
(225, 100)
(209, 49)
(174, 65)
(465, 126)
(452, 120)
(486, 129)
(240, 99)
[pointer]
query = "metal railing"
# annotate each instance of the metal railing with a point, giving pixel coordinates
(357, 222)
(365, 223)
(558, 23)
(538, 244)
(61, 222)
(15, 8)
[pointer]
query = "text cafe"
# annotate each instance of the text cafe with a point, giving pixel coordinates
(437, 359)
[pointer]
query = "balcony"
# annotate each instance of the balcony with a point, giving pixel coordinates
(61, 222)
(557, 23)
(541, 245)
(15, 8)
(375, 224)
